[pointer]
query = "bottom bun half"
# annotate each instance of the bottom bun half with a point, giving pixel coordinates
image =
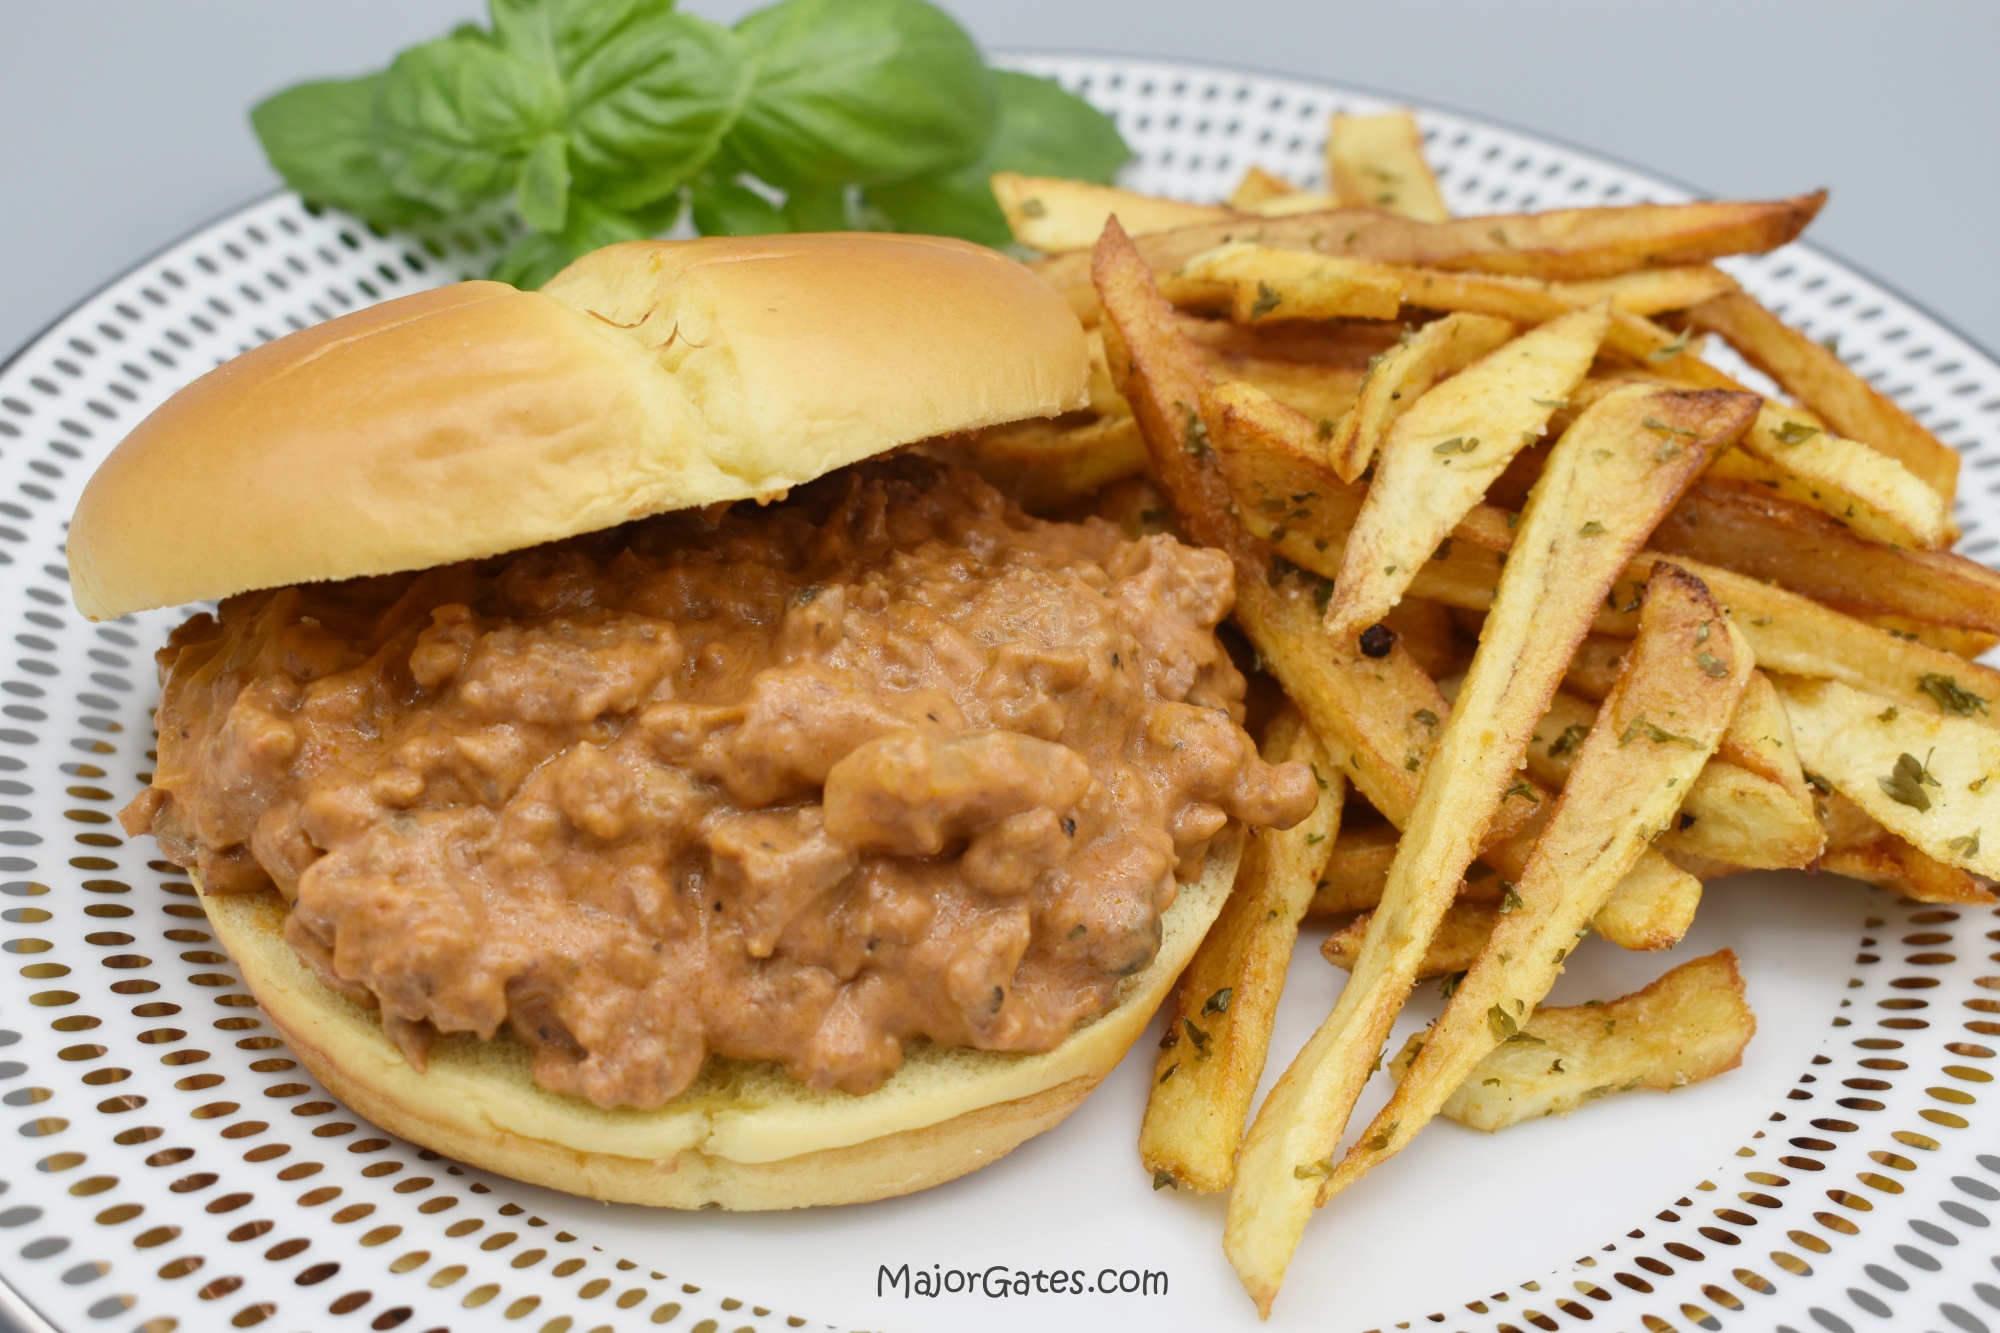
(744, 1136)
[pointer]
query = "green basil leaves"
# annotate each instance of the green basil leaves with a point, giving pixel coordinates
(860, 92)
(602, 120)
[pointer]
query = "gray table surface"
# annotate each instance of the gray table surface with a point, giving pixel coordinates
(122, 121)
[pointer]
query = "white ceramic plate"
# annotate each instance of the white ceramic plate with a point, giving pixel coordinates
(168, 1166)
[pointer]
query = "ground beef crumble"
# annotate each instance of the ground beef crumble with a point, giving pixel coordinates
(886, 761)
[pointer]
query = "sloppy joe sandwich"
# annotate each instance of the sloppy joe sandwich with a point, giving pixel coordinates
(614, 765)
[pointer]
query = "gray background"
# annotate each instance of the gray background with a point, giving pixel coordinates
(122, 121)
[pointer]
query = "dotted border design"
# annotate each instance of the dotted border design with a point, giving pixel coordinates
(167, 1199)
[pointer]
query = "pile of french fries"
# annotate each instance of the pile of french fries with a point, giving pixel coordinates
(1566, 620)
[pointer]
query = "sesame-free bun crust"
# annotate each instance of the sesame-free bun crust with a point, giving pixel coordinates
(475, 419)
(744, 1136)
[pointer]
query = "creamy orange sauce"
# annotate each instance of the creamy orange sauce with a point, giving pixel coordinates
(888, 761)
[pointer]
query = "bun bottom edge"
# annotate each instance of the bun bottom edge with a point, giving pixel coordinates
(342, 1047)
(900, 1163)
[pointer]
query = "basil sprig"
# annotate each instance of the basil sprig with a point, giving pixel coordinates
(605, 120)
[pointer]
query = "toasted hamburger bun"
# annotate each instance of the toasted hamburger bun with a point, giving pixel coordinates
(476, 419)
(744, 1136)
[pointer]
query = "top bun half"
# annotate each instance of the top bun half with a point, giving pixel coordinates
(476, 419)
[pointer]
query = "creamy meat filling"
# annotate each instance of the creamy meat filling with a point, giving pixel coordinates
(888, 761)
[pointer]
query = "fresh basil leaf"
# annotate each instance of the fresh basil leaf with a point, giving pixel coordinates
(648, 93)
(318, 137)
(1042, 131)
(860, 91)
(543, 200)
(724, 208)
(539, 256)
(456, 119)
(560, 35)
(647, 110)
(1045, 131)
(817, 208)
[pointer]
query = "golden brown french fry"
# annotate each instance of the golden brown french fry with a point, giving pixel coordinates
(1750, 806)
(1650, 291)
(1817, 377)
(1260, 284)
(1860, 848)
(1797, 636)
(1043, 464)
(1536, 300)
(1259, 186)
(1219, 1027)
(1053, 214)
(1382, 714)
(1871, 492)
(1303, 201)
(1967, 643)
(1426, 629)
(1651, 908)
(1356, 869)
(1563, 244)
(1442, 454)
(1683, 676)
(1594, 669)
(1461, 933)
(1402, 376)
(1748, 530)
(1689, 1025)
(1608, 481)
(1270, 459)
(1350, 344)
(1378, 162)
(1933, 780)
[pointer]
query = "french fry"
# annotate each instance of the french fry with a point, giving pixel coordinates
(1798, 636)
(1594, 668)
(1043, 465)
(1817, 377)
(1426, 629)
(1260, 284)
(1564, 244)
(1382, 713)
(1378, 162)
(1747, 529)
(1927, 778)
(1349, 344)
(1689, 1025)
(1303, 201)
(1651, 908)
(1271, 458)
(1264, 451)
(1402, 376)
(1052, 214)
(1959, 642)
(1734, 816)
(1608, 481)
(1443, 452)
(1319, 392)
(1259, 186)
(1749, 807)
(1356, 869)
(1536, 300)
(1683, 677)
(1461, 933)
(1650, 291)
(1860, 848)
(1871, 492)
(1219, 1028)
